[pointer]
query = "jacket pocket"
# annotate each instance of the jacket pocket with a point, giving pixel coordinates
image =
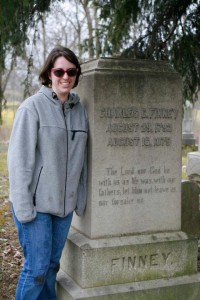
(34, 195)
(75, 131)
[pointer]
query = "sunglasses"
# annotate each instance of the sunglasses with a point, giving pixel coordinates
(59, 72)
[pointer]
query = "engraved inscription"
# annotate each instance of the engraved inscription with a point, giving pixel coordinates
(124, 141)
(123, 127)
(120, 112)
(133, 185)
(136, 262)
(139, 126)
(134, 112)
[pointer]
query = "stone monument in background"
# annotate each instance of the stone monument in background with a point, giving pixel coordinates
(187, 124)
(129, 244)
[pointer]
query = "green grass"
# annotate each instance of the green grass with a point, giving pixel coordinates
(186, 149)
(8, 113)
(3, 164)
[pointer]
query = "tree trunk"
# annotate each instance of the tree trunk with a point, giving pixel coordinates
(44, 37)
(90, 29)
(97, 40)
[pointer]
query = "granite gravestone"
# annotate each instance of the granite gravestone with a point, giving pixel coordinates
(135, 148)
(131, 230)
(188, 137)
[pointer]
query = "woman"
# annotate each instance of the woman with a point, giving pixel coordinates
(47, 172)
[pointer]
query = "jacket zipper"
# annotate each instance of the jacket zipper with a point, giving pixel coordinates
(74, 132)
(67, 155)
(34, 195)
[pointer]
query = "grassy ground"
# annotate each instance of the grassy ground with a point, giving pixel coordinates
(8, 117)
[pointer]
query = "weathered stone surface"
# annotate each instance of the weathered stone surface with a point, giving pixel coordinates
(190, 208)
(193, 163)
(179, 288)
(127, 259)
(135, 120)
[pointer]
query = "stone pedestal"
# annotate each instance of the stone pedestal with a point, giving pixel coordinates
(93, 263)
(187, 125)
(129, 242)
(179, 288)
(190, 208)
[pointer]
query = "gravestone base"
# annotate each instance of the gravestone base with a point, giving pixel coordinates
(188, 139)
(147, 267)
(179, 288)
(119, 260)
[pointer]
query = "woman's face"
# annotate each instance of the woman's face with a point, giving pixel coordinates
(62, 85)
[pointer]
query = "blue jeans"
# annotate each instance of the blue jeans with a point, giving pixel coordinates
(42, 241)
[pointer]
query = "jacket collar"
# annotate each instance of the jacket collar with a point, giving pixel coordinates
(51, 95)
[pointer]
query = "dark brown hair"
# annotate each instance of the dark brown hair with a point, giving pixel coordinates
(49, 63)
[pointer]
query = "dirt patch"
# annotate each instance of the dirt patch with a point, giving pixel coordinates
(11, 258)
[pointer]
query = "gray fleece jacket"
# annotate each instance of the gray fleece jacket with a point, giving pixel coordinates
(47, 159)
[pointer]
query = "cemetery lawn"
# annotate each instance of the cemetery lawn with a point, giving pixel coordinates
(11, 257)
